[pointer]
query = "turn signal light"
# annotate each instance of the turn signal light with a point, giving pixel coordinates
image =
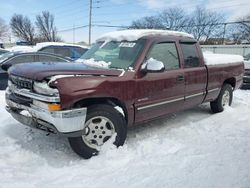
(54, 107)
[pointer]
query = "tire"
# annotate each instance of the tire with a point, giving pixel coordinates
(224, 99)
(100, 119)
(3, 81)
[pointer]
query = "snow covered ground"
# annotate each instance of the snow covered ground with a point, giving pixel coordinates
(193, 148)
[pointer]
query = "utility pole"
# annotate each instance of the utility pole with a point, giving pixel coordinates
(74, 34)
(224, 34)
(90, 20)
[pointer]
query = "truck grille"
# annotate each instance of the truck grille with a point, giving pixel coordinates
(21, 82)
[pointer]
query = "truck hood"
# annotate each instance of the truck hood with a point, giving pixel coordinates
(39, 71)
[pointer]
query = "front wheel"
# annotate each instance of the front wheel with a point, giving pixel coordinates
(102, 123)
(224, 99)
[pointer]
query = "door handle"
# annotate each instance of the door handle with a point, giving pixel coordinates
(180, 78)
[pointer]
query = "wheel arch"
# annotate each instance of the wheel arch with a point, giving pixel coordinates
(230, 81)
(104, 100)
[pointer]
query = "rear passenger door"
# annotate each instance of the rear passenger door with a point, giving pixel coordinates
(49, 58)
(195, 74)
(23, 58)
(160, 93)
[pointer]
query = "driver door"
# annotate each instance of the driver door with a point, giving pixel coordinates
(160, 93)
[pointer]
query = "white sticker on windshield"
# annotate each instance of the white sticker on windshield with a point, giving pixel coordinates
(127, 44)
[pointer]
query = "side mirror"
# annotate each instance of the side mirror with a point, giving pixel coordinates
(153, 66)
(6, 66)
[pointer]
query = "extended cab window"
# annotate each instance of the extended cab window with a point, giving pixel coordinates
(166, 53)
(45, 58)
(191, 57)
(21, 59)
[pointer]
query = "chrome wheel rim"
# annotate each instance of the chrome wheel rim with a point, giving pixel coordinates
(98, 130)
(226, 98)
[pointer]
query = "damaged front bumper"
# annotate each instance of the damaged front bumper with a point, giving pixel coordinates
(66, 122)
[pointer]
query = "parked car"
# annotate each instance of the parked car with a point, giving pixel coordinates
(3, 51)
(9, 59)
(128, 77)
(66, 50)
(246, 77)
(21, 49)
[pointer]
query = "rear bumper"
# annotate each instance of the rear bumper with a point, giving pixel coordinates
(3, 80)
(245, 86)
(246, 82)
(67, 122)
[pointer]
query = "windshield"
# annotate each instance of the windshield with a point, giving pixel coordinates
(2, 51)
(119, 55)
(5, 56)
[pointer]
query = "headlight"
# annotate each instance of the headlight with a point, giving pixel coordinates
(43, 88)
(47, 106)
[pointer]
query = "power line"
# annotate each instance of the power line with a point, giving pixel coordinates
(127, 27)
(74, 28)
(65, 5)
(114, 26)
(116, 13)
(132, 11)
(74, 10)
(225, 23)
(228, 6)
(90, 19)
(66, 15)
(97, 5)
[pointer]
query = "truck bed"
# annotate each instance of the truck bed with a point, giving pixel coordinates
(222, 67)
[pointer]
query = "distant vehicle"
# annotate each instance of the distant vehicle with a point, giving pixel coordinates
(23, 43)
(246, 77)
(66, 50)
(12, 58)
(21, 49)
(2, 51)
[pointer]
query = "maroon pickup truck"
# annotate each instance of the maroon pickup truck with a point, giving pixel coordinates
(126, 78)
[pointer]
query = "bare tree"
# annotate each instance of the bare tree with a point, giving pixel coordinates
(244, 27)
(174, 18)
(3, 29)
(205, 24)
(46, 27)
(233, 34)
(22, 28)
(239, 31)
(151, 22)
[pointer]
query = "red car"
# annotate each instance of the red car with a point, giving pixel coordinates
(126, 78)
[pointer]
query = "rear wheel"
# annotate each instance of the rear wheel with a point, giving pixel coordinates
(224, 99)
(102, 123)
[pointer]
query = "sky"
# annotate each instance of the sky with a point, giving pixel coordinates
(75, 13)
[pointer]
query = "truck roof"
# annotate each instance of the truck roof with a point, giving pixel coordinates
(135, 34)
